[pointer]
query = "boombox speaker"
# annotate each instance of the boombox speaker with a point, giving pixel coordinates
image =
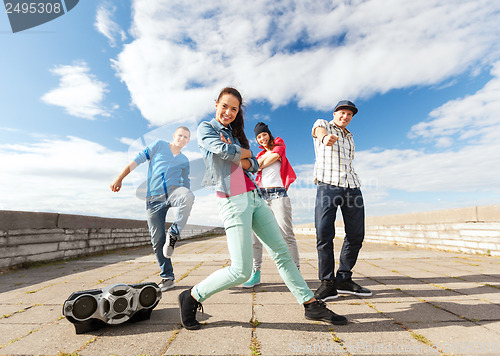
(91, 309)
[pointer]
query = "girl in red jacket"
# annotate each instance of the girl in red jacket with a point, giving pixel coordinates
(274, 177)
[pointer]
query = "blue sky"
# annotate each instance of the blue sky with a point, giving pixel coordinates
(78, 94)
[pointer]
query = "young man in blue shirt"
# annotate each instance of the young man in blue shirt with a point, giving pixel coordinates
(168, 185)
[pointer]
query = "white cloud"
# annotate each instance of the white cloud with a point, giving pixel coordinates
(303, 201)
(80, 93)
(128, 141)
(73, 175)
(475, 118)
(205, 211)
(69, 175)
(314, 53)
(192, 155)
(8, 129)
(104, 24)
(260, 117)
(464, 170)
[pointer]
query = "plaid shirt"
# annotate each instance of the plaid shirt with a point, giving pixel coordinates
(334, 163)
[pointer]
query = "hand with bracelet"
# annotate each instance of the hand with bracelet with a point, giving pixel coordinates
(329, 140)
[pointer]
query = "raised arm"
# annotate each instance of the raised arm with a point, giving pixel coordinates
(252, 166)
(246, 153)
(322, 135)
(117, 184)
(246, 164)
(268, 159)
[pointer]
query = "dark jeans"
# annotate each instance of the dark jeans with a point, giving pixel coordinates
(350, 201)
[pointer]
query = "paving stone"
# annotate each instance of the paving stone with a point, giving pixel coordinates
(463, 338)
(415, 312)
(128, 339)
(226, 330)
(12, 333)
(472, 309)
(37, 314)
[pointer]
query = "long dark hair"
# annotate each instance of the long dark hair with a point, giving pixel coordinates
(270, 144)
(238, 125)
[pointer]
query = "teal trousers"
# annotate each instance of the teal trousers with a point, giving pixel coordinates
(241, 214)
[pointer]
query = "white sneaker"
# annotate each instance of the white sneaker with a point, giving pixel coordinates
(168, 249)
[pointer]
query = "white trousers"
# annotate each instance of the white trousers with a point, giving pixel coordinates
(282, 210)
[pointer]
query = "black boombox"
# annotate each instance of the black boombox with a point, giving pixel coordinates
(91, 309)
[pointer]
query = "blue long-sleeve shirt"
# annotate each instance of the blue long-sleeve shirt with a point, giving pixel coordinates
(165, 170)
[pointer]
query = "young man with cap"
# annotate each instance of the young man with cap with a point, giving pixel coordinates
(337, 186)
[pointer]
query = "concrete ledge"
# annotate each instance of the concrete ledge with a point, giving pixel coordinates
(17, 220)
(488, 213)
(469, 214)
(67, 221)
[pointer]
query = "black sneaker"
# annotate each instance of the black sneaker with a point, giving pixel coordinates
(317, 310)
(187, 308)
(326, 291)
(348, 286)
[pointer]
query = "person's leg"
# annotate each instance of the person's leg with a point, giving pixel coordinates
(282, 210)
(265, 226)
(327, 200)
(354, 221)
(353, 212)
(328, 197)
(156, 212)
(257, 263)
(257, 253)
(236, 213)
(183, 199)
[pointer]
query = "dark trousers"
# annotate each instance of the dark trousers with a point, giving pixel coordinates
(350, 201)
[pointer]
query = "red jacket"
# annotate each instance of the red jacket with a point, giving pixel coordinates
(287, 173)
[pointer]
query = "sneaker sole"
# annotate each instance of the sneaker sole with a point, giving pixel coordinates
(354, 293)
(248, 286)
(167, 255)
(164, 289)
(330, 297)
(165, 251)
(196, 327)
(334, 322)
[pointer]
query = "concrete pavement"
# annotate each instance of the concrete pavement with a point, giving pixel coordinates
(424, 302)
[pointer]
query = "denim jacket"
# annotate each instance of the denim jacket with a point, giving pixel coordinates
(219, 155)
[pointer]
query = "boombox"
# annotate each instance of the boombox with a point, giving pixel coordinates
(91, 309)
